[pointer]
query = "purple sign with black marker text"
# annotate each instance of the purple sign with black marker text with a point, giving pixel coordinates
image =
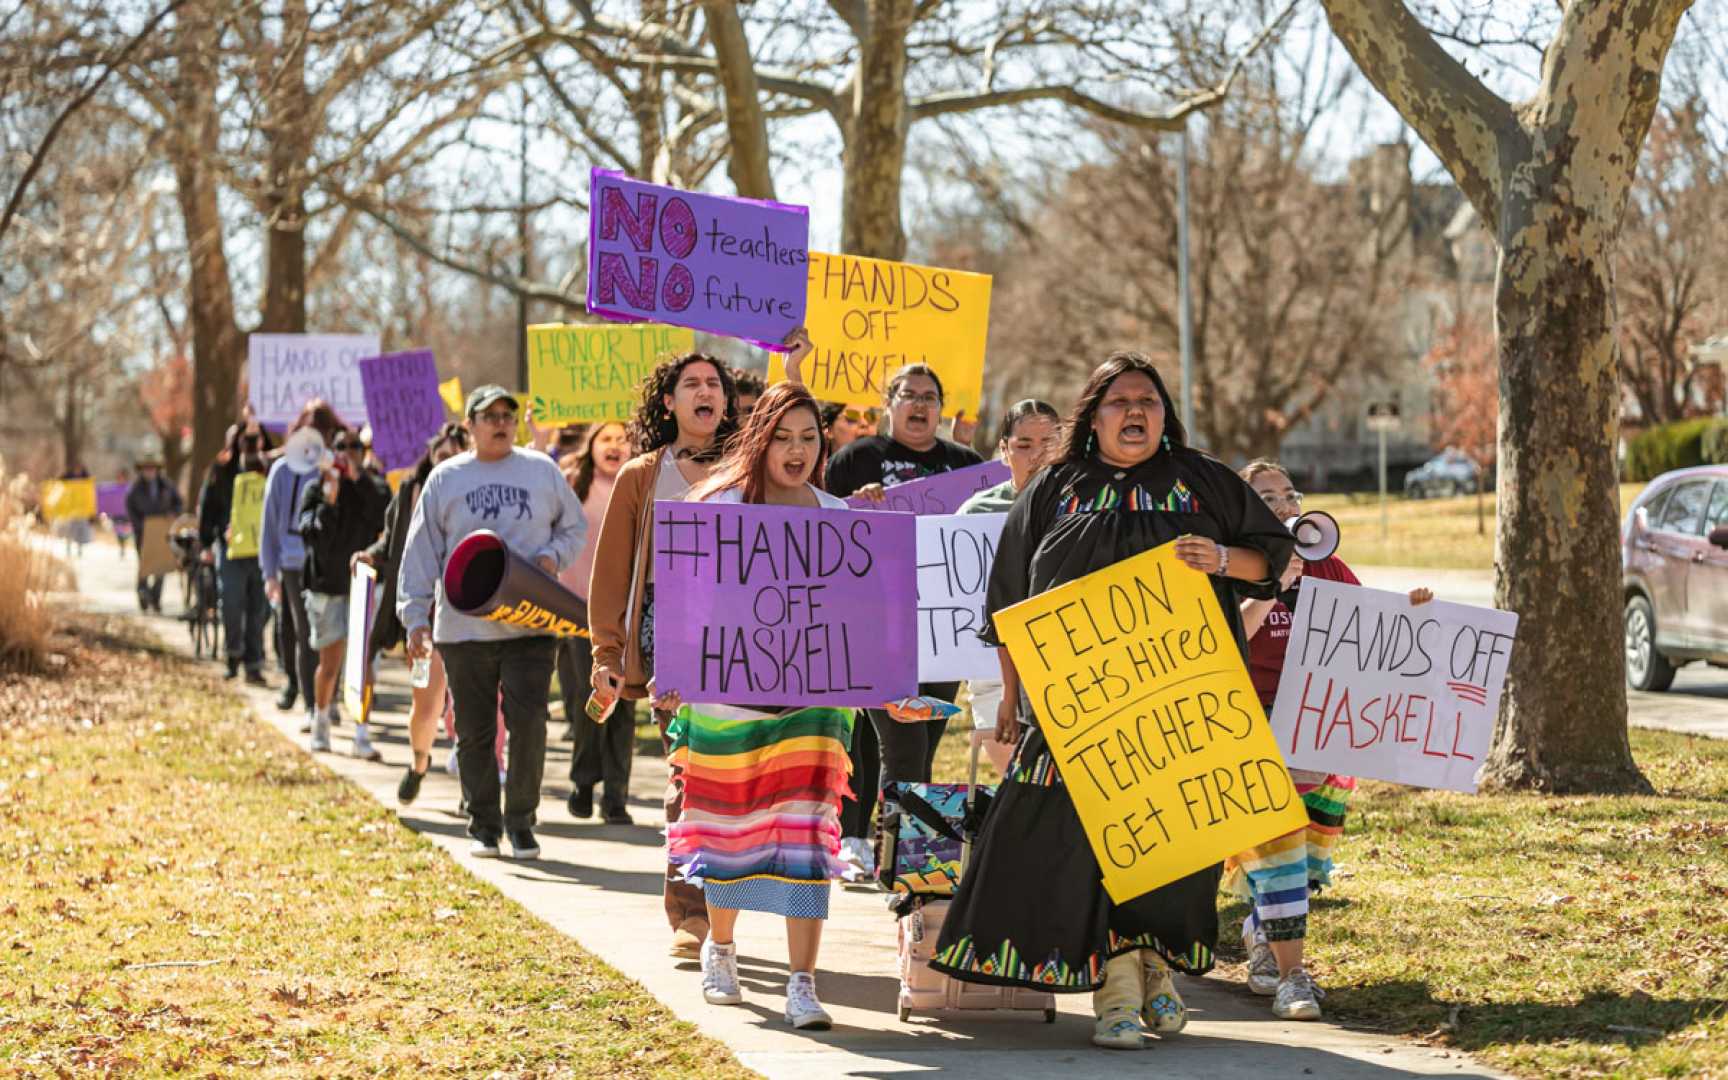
(723, 265)
(939, 494)
(404, 405)
(779, 605)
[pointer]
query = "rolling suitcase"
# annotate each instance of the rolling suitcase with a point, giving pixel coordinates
(922, 988)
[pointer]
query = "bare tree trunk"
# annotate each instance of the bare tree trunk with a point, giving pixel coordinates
(285, 196)
(1553, 175)
(218, 347)
(746, 125)
(875, 154)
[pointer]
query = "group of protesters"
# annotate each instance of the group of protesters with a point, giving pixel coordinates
(1114, 476)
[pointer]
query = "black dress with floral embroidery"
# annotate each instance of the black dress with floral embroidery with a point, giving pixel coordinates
(1031, 910)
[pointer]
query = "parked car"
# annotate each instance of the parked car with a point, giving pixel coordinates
(1674, 563)
(1451, 473)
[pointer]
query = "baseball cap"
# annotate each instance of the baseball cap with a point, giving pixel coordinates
(486, 395)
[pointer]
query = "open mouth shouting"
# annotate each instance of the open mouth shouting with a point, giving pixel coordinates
(1135, 430)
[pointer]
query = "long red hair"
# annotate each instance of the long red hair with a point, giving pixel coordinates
(745, 464)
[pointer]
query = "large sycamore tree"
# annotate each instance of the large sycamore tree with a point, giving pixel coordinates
(1550, 177)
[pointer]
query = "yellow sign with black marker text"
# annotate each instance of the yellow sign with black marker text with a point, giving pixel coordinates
(1142, 693)
(868, 318)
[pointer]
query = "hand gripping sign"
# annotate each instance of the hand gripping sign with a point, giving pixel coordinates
(1139, 688)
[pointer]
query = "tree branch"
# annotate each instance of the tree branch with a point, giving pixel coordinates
(1460, 119)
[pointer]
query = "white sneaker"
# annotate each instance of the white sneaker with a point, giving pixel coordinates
(720, 974)
(362, 747)
(1262, 970)
(1298, 998)
(306, 723)
(450, 765)
(803, 1011)
(320, 732)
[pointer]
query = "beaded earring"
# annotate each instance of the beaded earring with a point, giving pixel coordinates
(1166, 442)
(1091, 442)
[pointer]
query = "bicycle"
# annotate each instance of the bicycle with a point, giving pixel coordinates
(204, 614)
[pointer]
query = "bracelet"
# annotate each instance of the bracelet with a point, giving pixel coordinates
(1223, 561)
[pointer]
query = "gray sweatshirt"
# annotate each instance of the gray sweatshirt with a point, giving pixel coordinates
(523, 498)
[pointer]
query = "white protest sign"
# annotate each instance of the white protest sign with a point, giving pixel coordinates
(285, 371)
(357, 654)
(955, 552)
(1376, 687)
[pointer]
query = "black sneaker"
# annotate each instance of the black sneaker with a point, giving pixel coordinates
(409, 789)
(485, 845)
(581, 804)
(233, 670)
(255, 677)
(286, 699)
(619, 816)
(523, 845)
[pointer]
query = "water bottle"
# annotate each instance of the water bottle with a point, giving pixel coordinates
(420, 673)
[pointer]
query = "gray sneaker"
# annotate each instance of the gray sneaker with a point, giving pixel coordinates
(720, 974)
(1297, 998)
(320, 732)
(1263, 970)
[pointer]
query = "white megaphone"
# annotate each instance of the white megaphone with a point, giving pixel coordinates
(1316, 535)
(303, 450)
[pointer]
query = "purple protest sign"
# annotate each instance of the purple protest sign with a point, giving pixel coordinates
(403, 403)
(778, 605)
(939, 494)
(111, 499)
(723, 265)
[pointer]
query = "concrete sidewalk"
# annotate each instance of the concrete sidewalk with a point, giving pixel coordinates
(601, 885)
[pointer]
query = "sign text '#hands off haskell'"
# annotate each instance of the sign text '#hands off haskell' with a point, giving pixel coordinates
(722, 265)
(1142, 694)
(774, 605)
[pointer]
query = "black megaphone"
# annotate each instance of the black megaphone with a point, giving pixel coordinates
(1316, 535)
(484, 579)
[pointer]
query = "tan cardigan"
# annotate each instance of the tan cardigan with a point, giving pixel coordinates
(616, 585)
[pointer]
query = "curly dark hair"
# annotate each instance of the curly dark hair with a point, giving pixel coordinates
(1116, 365)
(655, 426)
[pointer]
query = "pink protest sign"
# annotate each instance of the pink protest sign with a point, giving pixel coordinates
(728, 266)
(404, 405)
(939, 494)
(776, 605)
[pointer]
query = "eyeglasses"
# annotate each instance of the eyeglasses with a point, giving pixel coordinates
(907, 397)
(494, 417)
(1294, 499)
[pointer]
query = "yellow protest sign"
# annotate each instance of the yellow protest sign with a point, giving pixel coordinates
(246, 515)
(451, 391)
(588, 374)
(869, 317)
(68, 499)
(1153, 722)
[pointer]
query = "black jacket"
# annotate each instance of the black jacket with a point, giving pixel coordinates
(333, 532)
(216, 503)
(386, 554)
(153, 499)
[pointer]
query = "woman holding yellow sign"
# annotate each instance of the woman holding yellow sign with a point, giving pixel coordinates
(1032, 909)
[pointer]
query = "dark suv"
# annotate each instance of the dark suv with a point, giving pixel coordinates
(1674, 562)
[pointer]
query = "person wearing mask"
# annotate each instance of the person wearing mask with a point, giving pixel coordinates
(282, 558)
(885, 750)
(340, 515)
(385, 556)
(150, 496)
(1031, 434)
(1279, 877)
(1126, 483)
(689, 410)
(230, 516)
(759, 836)
(603, 750)
(484, 659)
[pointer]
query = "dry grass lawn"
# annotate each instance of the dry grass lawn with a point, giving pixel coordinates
(1436, 534)
(181, 889)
